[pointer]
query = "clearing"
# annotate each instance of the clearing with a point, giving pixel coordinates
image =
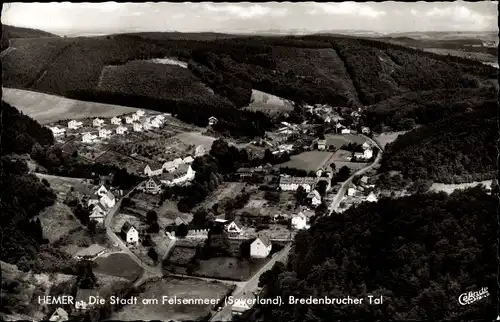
(182, 289)
(57, 221)
(196, 139)
(269, 104)
(120, 265)
(62, 185)
(47, 108)
(309, 161)
(229, 268)
(449, 188)
(384, 138)
(338, 140)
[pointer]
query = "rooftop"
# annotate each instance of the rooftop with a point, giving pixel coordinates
(90, 251)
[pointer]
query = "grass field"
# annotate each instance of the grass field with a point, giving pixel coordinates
(385, 138)
(47, 108)
(229, 268)
(309, 161)
(196, 139)
(153, 80)
(183, 289)
(449, 188)
(120, 265)
(338, 140)
(269, 104)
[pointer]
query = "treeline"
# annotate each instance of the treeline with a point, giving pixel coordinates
(417, 108)
(457, 149)
(420, 253)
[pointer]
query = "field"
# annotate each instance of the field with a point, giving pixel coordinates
(47, 108)
(231, 268)
(269, 104)
(258, 206)
(309, 161)
(227, 190)
(118, 264)
(196, 139)
(449, 188)
(338, 140)
(62, 185)
(386, 138)
(182, 288)
(57, 221)
(153, 80)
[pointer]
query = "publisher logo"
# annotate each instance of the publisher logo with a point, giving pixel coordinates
(471, 297)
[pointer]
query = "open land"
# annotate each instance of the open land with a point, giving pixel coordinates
(385, 138)
(309, 161)
(118, 264)
(269, 104)
(449, 188)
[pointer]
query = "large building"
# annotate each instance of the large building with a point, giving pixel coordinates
(293, 183)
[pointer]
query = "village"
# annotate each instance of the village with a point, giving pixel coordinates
(254, 214)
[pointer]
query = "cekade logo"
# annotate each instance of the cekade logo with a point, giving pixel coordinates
(471, 297)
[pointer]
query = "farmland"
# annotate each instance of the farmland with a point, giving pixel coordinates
(309, 161)
(47, 108)
(269, 104)
(118, 264)
(152, 80)
(182, 288)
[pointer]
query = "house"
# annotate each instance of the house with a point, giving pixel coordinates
(121, 130)
(88, 137)
(260, 247)
(359, 155)
(97, 122)
(93, 199)
(135, 117)
(153, 186)
(178, 162)
(244, 172)
(57, 132)
(314, 198)
(212, 121)
(293, 183)
(59, 315)
(179, 221)
(116, 120)
(234, 227)
(137, 127)
(366, 145)
(188, 160)
(129, 233)
(90, 253)
(154, 169)
(82, 299)
(364, 180)
(101, 191)
(368, 154)
(129, 120)
(345, 131)
(371, 197)
(242, 303)
(299, 221)
(147, 126)
(98, 213)
(140, 113)
(74, 124)
(321, 144)
(103, 133)
(108, 200)
(351, 191)
(169, 166)
(183, 174)
(365, 130)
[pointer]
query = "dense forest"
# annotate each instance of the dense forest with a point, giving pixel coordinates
(457, 149)
(420, 253)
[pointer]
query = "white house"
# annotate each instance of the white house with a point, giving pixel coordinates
(97, 122)
(314, 198)
(212, 120)
(366, 145)
(188, 160)
(178, 162)
(371, 197)
(153, 170)
(59, 315)
(351, 191)
(108, 200)
(137, 127)
(242, 303)
(74, 124)
(129, 233)
(156, 122)
(365, 130)
(129, 120)
(101, 191)
(121, 130)
(368, 154)
(234, 227)
(364, 180)
(299, 221)
(88, 137)
(153, 186)
(359, 155)
(184, 173)
(293, 183)
(260, 247)
(321, 144)
(57, 132)
(169, 166)
(98, 213)
(90, 253)
(345, 131)
(116, 120)
(103, 133)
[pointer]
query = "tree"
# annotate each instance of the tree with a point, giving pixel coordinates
(86, 278)
(153, 254)
(151, 217)
(321, 187)
(300, 195)
(181, 231)
(45, 183)
(92, 226)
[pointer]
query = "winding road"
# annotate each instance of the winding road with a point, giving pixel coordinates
(342, 191)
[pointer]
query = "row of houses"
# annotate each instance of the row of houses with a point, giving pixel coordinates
(100, 203)
(155, 169)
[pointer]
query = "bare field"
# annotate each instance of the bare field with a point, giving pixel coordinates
(309, 161)
(386, 138)
(449, 188)
(182, 288)
(47, 108)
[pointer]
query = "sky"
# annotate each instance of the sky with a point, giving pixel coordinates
(65, 18)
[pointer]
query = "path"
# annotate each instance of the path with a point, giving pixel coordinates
(342, 191)
(251, 285)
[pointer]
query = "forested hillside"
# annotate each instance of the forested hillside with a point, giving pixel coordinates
(456, 149)
(420, 253)
(10, 32)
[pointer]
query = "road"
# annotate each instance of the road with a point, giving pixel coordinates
(251, 285)
(342, 191)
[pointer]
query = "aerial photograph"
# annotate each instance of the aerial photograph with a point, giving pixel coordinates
(239, 161)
